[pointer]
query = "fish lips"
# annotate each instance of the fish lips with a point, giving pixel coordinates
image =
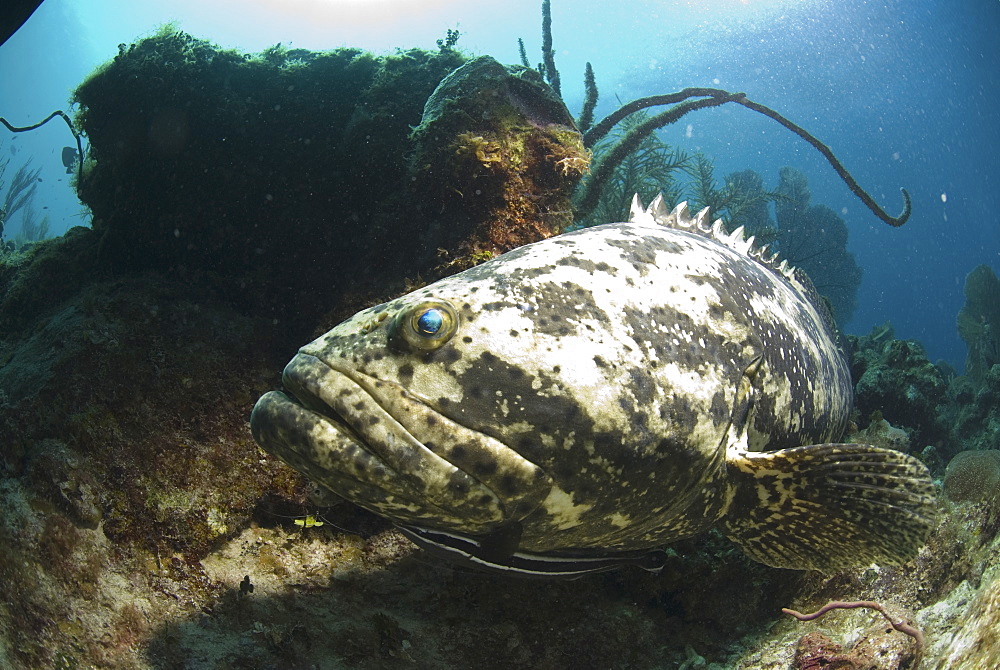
(376, 444)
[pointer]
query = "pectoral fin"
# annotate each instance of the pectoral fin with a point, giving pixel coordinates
(829, 506)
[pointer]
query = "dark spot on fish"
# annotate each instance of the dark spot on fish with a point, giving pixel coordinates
(372, 420)
(600, 362)
(467, 339)
(484, 468)
(446, 354)
(508, 484)
(406, 373)
(585, 264)
(359, 405)
(640, 423)
(513, 333)
(494, 306)
(642, 387)
(457, 452)
(719, 405)
(431, 420)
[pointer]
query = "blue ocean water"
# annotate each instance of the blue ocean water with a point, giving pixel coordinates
(901, 91)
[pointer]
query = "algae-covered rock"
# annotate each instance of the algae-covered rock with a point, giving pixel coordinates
(881, 433)
(895, 377)
(497, 156)
(974, 643)
(273, 180)
(979, 321)
(973, 411)
(289, 182)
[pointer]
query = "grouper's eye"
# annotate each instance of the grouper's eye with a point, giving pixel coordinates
(424, 326)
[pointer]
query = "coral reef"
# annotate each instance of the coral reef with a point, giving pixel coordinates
(282, 152)
(142, 528)
(814, 238)
(894, 377)
(313, 137)
(979, 321)
(875, 646)
(973, 411)
(881, 433)
(973, 476)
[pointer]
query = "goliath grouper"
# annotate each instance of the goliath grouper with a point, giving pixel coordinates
(577, 403)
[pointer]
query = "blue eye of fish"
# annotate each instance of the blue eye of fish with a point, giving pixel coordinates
(424, 326)
(430, 322)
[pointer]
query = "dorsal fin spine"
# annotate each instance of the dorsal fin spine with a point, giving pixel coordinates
(680, 218)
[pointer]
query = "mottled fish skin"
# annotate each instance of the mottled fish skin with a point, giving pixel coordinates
(590, 387)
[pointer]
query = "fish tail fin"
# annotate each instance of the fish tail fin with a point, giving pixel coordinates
(829, 506)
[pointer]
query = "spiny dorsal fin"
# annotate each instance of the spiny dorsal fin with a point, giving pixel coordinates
(680, 219)
(829, 506)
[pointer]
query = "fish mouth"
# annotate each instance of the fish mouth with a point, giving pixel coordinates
(378, 445)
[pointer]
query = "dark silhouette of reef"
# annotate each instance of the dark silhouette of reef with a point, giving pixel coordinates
(286, 180)
(979, 321)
